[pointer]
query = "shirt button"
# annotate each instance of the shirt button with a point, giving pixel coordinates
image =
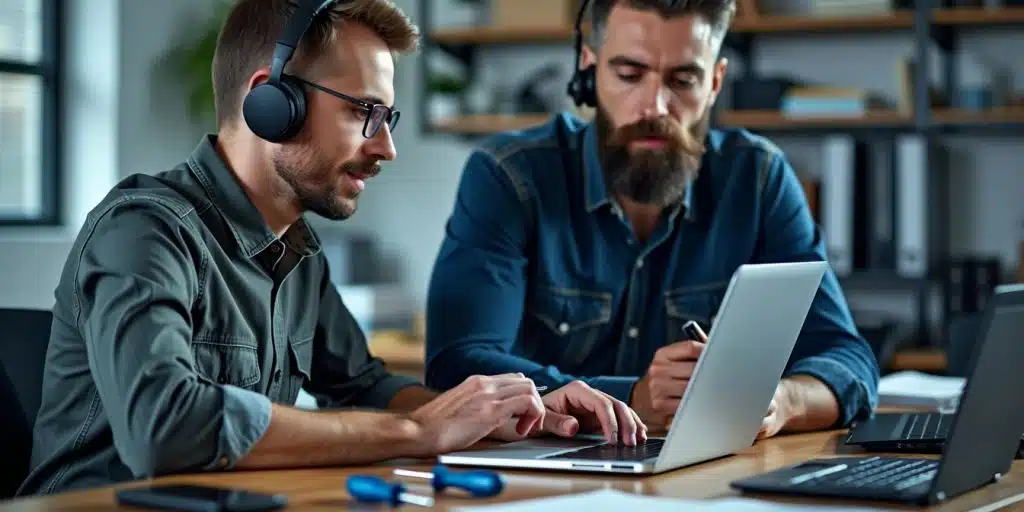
(563, 327)
(224, 462)
(633, 332)
(640, 263)
(275, 248)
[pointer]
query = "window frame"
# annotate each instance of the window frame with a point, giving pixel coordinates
(49, 68)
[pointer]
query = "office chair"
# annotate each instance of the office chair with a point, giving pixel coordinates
(24, 336)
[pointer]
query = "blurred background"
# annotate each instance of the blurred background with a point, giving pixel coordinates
(904, 122)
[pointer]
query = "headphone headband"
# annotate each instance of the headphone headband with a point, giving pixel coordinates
(579, 32)
(305, 12)
(582, 88)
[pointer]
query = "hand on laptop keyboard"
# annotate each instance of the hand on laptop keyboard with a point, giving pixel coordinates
(593, 411)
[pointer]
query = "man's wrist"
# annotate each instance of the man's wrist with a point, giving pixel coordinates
(410, 437)
(796, 405)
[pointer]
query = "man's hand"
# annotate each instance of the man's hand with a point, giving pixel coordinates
(776, 417)
(656, 395)
(467, 413)
(577, 407)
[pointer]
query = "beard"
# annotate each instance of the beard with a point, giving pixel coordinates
(651, 176)
(318, 185)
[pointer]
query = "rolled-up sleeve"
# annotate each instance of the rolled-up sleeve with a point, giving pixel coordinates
(829, 347)
(344, 373)
(136, 282)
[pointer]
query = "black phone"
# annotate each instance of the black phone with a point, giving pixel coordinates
(198, 498)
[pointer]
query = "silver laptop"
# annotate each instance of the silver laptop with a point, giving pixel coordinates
(731, 388)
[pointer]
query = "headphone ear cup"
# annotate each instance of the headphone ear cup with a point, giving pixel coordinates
(588, 86)
(275, 112)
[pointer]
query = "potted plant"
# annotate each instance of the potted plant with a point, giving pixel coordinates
(444, 95)
(190, 62)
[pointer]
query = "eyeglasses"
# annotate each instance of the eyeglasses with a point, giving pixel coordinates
(376, 113)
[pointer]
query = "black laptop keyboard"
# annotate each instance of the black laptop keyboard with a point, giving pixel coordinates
(876, 473)
(927, 426)
(620, 452)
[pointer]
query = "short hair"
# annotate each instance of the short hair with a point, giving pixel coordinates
(252, 28)
(718, 13)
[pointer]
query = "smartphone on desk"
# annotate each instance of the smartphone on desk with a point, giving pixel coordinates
(198, 498)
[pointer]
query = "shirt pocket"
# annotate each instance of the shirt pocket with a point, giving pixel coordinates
(300, 350)
(228, 360)
(577, 318)
(699, 303)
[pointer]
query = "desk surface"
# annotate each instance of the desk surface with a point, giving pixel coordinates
(314, 489)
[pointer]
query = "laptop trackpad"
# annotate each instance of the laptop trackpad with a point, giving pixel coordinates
(541, 447)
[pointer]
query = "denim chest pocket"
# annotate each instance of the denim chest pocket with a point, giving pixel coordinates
(699, 303)
(576, 317)
(228, 360)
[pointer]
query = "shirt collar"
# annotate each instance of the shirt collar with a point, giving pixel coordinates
(596, 192)
(243, 219)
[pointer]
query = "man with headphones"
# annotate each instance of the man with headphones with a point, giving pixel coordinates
(196, 303)
(581, 250)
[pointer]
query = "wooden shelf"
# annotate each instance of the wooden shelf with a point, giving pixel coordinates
(770, 119)
(761, 120)
(997, 115)
(762, 24)
(979, 16)
(921, 360)
(487, 124)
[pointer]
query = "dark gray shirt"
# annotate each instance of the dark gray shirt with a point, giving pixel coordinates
(179, 317)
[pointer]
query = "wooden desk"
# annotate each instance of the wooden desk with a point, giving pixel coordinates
(400, 353)
(324, 489)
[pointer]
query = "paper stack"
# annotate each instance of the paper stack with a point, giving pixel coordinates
(916, 389)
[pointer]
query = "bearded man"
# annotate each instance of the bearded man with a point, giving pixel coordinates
(579, 250)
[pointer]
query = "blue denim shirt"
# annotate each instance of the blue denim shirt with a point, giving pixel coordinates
(540, 272)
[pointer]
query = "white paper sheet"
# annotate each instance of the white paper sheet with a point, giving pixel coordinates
(609, 500)
(912, 388)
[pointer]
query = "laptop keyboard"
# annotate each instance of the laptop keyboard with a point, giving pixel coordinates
(875, 473)
(927, 426)
(614, 452)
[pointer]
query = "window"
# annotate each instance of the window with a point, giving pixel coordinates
(29, 112)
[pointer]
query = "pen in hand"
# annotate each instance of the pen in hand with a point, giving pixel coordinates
(694, 332)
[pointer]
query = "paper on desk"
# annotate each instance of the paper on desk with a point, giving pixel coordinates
(916, 389)
(609, 500)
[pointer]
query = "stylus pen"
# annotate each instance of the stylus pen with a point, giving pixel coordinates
(694, 332)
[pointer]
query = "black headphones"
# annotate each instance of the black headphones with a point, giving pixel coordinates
(582, 87)
(276, 109)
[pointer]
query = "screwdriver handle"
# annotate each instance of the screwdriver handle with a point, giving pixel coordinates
(372, 489)
(478, 483)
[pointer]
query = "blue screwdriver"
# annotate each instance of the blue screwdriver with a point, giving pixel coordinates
(373, 489)
(479, 484)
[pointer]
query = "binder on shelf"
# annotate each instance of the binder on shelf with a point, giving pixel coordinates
(837, 185)
(922, 211)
